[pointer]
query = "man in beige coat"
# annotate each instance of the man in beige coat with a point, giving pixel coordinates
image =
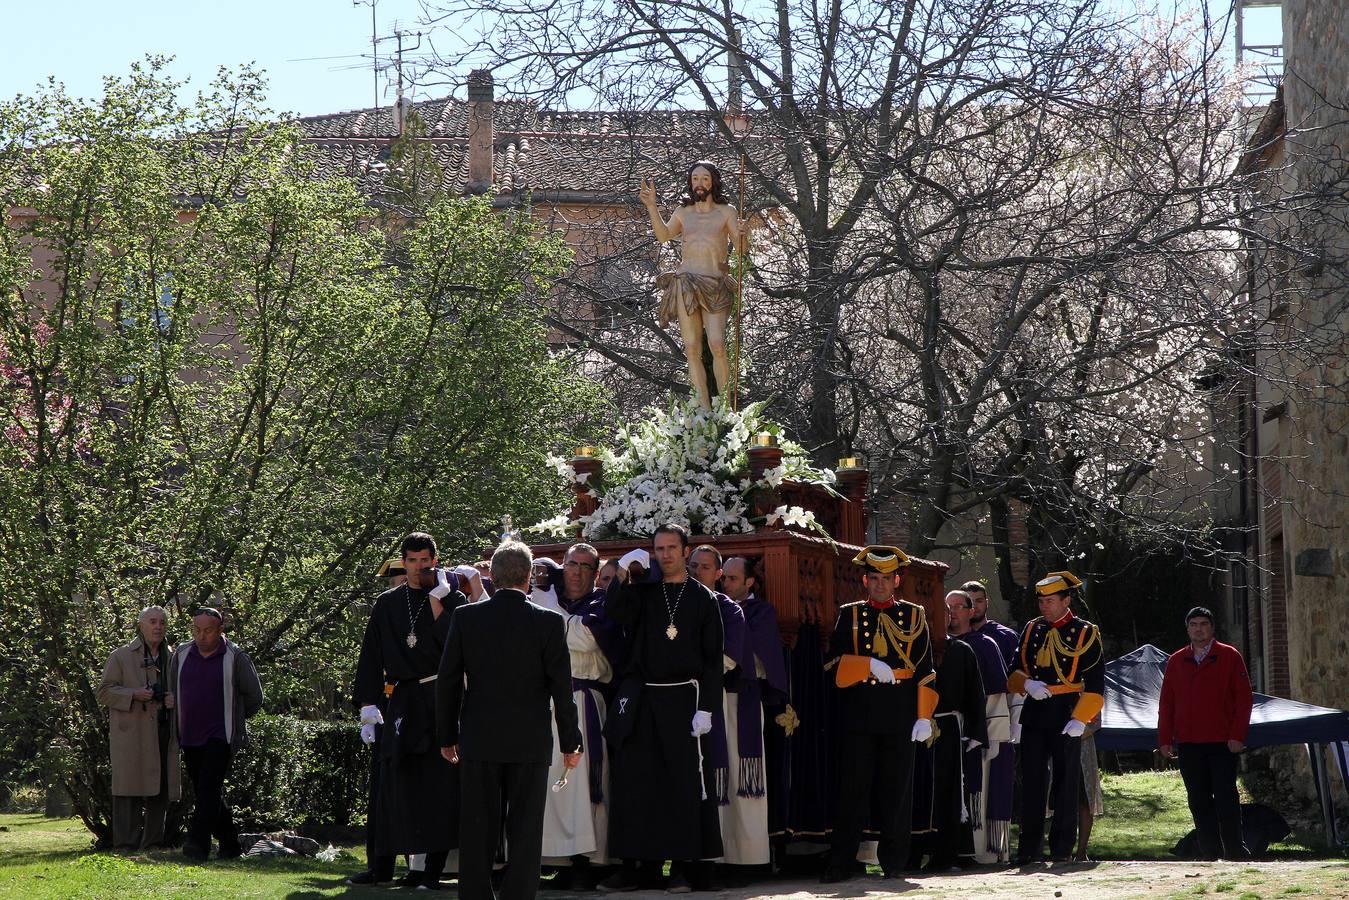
(144, 748)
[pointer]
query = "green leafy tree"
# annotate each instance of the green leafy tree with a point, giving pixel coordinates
(217, 389)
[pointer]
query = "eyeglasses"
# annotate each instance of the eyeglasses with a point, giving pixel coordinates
(573, 564)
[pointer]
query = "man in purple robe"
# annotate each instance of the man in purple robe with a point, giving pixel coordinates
(576, 819)
(742, 845)
(763, 750)
(1001, 759)
(985, 837)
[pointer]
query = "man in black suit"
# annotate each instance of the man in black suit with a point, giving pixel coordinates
(505, 659)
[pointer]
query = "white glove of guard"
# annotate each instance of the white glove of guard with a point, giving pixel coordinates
(702, 723)
(368, 733)
(881, 672)
(638, 556)
(443, 586)
(922, 730)
(370, 715)
(1037, 690)
(1016, 733)
(547, 599)
(1074, 728)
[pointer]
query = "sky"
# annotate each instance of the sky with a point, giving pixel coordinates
(80, 41)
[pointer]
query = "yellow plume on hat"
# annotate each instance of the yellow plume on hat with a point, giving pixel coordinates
(882, 559)
(1057, 583)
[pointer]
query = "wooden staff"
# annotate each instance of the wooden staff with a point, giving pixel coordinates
(742, 243)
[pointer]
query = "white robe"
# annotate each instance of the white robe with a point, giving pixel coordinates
(744, 821)
(572, 825)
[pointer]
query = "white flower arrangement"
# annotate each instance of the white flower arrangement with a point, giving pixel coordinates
(691, 466)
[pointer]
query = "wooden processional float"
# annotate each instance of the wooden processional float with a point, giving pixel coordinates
(806, 578)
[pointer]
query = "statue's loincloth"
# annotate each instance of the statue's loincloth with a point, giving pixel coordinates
(692, 293)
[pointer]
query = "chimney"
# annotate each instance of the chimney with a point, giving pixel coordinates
(402, 110)
(480, 115)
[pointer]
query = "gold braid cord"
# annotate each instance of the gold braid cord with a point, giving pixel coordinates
(901, 639)
(1057, 648)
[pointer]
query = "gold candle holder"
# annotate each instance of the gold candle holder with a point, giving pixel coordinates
(852, 462)
(585, 453)
(765, 439)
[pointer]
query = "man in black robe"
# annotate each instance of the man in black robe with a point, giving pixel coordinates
(941, 812)
(418, 797)
(663, 803)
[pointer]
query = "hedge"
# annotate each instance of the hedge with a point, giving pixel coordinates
(300, 775)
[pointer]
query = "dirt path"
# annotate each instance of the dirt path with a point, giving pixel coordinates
(1249, 881)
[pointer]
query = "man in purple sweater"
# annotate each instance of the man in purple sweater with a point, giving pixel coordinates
(217, 689)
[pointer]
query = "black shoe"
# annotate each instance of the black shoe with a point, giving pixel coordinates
(834, 876)
(230, 851)
(366, 877)
(196, 852)
(679, 883)
(429, 886)
(411, 879)
(580, 878)
(620, 882)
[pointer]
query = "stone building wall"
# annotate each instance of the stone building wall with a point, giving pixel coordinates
(1316, 483)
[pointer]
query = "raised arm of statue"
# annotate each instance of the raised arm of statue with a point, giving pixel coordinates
(665, 231)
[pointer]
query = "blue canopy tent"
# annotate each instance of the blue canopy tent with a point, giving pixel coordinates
(1133, 689)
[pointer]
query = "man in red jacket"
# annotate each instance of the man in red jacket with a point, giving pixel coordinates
(1204, 715)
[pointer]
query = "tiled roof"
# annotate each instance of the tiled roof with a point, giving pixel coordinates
(598, 154)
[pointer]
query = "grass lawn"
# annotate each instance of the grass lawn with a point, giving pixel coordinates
(1146, 814)
(41, 857)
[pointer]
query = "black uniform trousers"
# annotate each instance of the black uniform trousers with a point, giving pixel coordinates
(207, 766)
(487, 790)
(1042, 747)
(1210, 775)
(876, 777)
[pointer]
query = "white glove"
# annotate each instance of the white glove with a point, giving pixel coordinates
(702, 723)
(547, 599)
(1074, 728)
(368, 733)
(881, 672)
(639, 556)
(370, 715)
(1037, 690)
(971, 744)
(922, 730)
(1016, 733)
(443, 587)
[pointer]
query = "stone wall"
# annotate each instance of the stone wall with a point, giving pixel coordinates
(1316, 484)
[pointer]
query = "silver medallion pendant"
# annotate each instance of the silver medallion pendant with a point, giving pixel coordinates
(412, 640)
(672, 632)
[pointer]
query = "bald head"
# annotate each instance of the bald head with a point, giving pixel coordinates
(206, 631)
(737, 581)
(959, 608)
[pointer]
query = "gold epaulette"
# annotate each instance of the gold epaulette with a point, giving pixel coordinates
(852, 604)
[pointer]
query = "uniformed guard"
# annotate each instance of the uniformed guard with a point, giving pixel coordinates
(1060, 670)
(881, 658)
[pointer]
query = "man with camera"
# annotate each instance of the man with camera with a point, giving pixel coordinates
(142, 746)
(217, 688)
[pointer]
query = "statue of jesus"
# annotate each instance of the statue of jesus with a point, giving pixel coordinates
(700, 293)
